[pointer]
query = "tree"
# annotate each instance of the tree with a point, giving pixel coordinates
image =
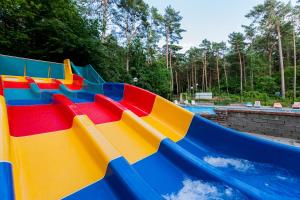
(238, 44)
(130, 16)
(294, 20)
(272, 13)
(223, 52)
(100, 11)
(205, 47)
(154, 34)
(249, 35)
(216, 48)
(172, 29)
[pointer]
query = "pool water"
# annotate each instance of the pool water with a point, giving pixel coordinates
(200, 109)
(267, 177)
(201, 190)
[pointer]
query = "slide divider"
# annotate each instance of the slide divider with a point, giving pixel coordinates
(67, 106)
(101, 148)
(109, 103)
(67, 91)
(109, 159)
(153, 136)
(68, 78)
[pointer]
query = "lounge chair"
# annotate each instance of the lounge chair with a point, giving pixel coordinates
(277, 105)
(193, 102)
(176, 102)
(248, 104)
(257, 104)
(186, 102)
(296, 105)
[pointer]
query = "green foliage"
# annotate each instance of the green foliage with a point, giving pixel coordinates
(55, 30)
(120, 39)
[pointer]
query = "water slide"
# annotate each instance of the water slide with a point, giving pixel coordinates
(75, 138)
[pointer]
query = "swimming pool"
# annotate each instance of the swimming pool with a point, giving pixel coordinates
(200, 109)
(211, 110)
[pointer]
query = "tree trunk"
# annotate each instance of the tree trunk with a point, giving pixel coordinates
(226, 79)
(241, 71)
(270, 62)
(176, 79)
(127, 58)
(205, 72)
(192, 75)
(171, 72)
(104, 18)
(244, 68)
(287, 61)
(128, 44)
(210, 79)
(281, 61)
(218, 72)
(295, 65)
(188, 79)
(127, 63)
(251, 68)
(195, 73)
(167, 47)
(203, 87)
(252, 78)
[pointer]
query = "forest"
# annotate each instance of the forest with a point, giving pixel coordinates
(121, 39)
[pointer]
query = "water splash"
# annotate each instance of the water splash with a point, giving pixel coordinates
(267, 177)
(200, 190)
(237, 164)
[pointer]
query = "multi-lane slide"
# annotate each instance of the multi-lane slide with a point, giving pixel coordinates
(67, 136)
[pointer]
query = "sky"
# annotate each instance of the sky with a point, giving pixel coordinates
(210, 19)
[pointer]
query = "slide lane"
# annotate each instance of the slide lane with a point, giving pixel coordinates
(247, 158)
(244, 157)
(78, 155)
(154, 157)
(42, 94)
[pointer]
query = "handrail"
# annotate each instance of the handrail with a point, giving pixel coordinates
(98, 76)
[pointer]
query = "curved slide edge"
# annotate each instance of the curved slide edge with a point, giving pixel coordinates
(136, 99)
(124, 183)
(179, 156)
(235, 143)
(164, 117)
(200, 169)
(6, 181)
(6, 178)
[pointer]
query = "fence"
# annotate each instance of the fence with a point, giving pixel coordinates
(15, 66)
(89, 73)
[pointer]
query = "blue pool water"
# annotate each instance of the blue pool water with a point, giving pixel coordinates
(211, 110)
(269, 178)
(200, 109)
